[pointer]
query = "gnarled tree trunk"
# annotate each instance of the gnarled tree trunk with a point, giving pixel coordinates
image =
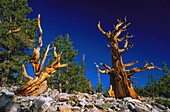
(120, 81)
(38, 84)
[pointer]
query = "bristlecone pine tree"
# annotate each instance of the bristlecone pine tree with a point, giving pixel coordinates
(120, 77)
(38, 84)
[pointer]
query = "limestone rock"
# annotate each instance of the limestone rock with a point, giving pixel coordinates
(53, 101)
(12, 107)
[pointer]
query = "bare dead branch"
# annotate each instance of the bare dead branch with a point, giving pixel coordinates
(106, 66)
(124, 38)
(119, 31)
(14, 30)
(120, 23)
(101, 70)
(40, 30)
(100, 29)
(126, 47)
(130, 64)
(57, 56)
(107, 34)
(146, 67)
(56, 64)
(45, 55)
(111, 92)
(25, 73)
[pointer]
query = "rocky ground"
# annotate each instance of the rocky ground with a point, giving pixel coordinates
(53, 101)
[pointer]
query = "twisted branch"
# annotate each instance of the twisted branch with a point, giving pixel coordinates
(14, 30)
(147, 66)
(130, 64)
(108, 69)
(25, 73)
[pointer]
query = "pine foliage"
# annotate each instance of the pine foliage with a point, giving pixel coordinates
(155, 88)
(99, 88)
(72, 77)
(164, 82)
(15, 31)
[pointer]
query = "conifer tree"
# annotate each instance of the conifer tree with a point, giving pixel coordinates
(15, 31)
(72, 78)
(99, 88)
(151, 88)
(164, 82)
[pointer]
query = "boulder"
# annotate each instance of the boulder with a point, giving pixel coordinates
(41, 104)
(13, 107)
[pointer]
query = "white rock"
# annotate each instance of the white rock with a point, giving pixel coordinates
(42, 104)
(141, 108)
(149, 106)
(109, 99)
(129, 99)
(65, 107)
(82, 104)
(94, 109)
(63, 97)
(76, 109)
(7, 92)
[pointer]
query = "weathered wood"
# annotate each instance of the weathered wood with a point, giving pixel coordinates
(120, 81)
(111, 92)
(35, 86)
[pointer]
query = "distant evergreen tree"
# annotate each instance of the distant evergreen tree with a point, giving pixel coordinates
(164, 83)
(99, 88)
(151, 88)
(15, 31)
(139, 91)
(72, 77)
(83, 64)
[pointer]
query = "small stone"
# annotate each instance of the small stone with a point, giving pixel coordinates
(82, 104)
(25, 109)
(72, 103)
(65, 108)
(131, 106)
(94, 109)
(52, 109)
(141, 108)
(110, 110)
(125, 110)
(109, 99)
(54, 94)
(76, 109)
(89, 105)
(105, 106)
(63, 97)
(73, 98)
(99, 102)
(149, 106)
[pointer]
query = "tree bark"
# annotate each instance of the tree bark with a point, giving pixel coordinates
(37, 84)
(120, 81)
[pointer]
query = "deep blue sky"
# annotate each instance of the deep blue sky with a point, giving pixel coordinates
(150, 24)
